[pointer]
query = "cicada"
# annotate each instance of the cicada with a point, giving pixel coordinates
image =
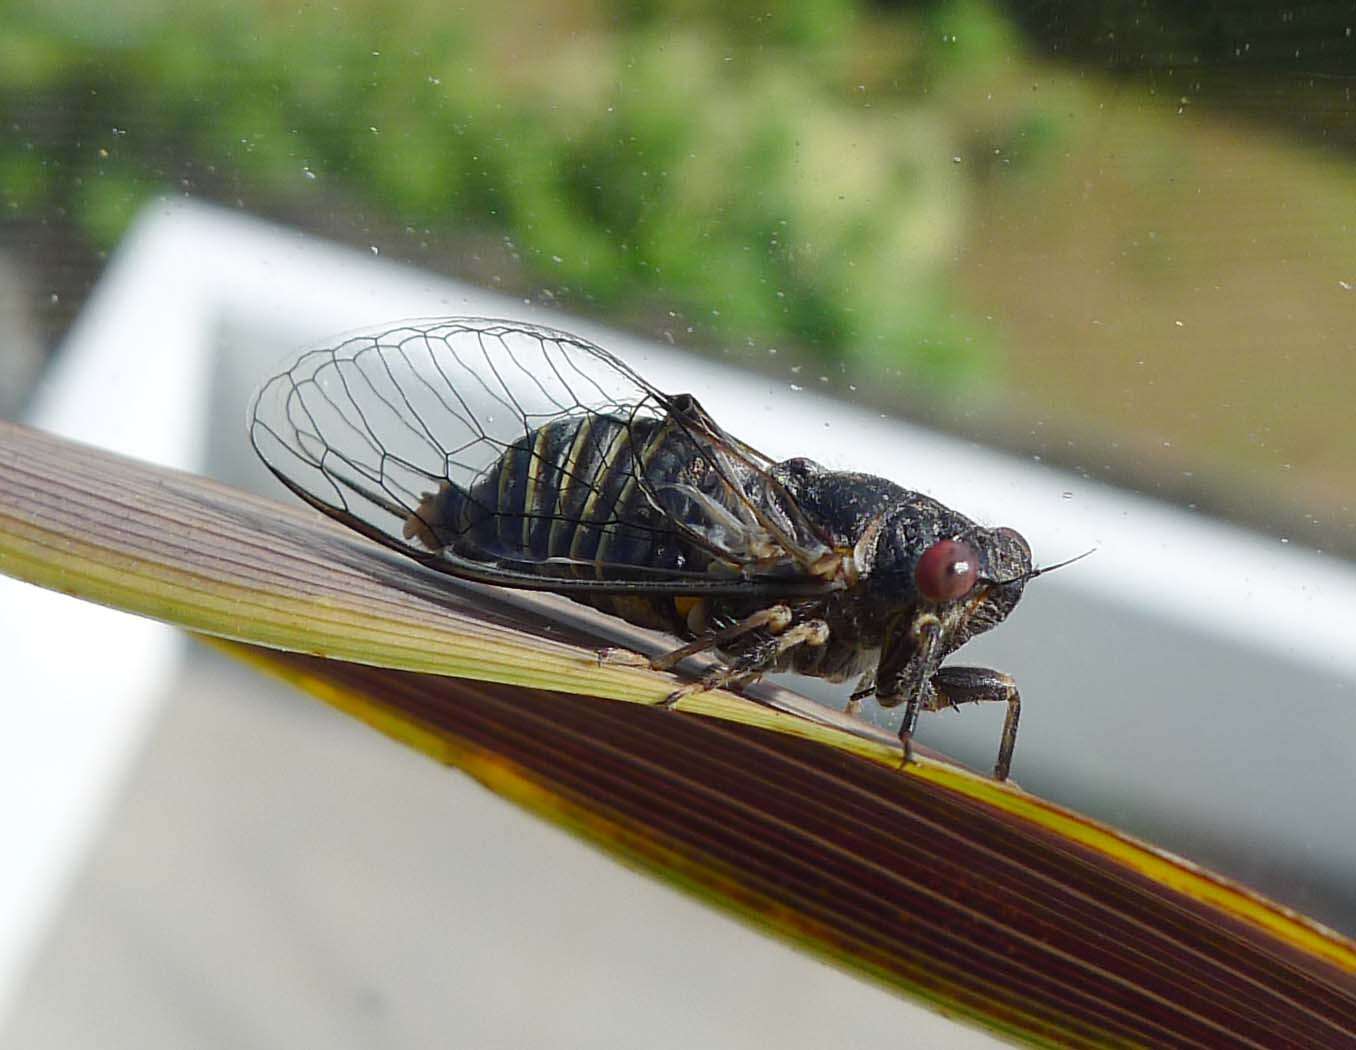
(523, 456)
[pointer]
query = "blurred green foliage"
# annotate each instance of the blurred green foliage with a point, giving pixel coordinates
(790, 174)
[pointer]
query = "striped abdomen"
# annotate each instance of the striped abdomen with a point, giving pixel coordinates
(570, 494)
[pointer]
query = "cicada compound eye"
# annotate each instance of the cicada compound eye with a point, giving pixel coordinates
(947, 570)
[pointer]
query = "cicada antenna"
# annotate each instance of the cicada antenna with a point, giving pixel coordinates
(1024, 577)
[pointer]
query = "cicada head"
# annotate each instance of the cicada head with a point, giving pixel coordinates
(996, 563)
(943, 580)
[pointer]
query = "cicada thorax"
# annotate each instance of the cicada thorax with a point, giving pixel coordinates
(588, 496)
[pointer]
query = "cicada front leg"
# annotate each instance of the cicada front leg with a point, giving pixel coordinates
(866, 685)
(979, 685)
(773, 619)
(753, 662)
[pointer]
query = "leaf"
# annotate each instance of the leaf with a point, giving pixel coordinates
(973, 896)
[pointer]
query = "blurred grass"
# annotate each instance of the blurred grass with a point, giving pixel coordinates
(785, 176)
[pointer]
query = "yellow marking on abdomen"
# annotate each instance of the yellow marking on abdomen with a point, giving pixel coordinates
(640, 462)
(534, 468)
(605, 464)
(568, 480)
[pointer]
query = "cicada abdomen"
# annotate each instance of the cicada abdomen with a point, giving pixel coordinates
(585, 494)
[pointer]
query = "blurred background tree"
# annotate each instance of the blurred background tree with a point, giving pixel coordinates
(779, 178)
(1113, 235)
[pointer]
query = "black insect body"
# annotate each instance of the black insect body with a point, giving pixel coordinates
(523, 456)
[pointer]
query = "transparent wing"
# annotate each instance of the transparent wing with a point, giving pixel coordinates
(525, 456)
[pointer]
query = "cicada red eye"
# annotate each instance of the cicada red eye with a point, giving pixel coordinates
(946, 571)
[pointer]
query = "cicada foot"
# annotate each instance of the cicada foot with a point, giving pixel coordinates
(866, 685)
(774, 620)
(953, 686)
(906, 739)
(727, 676)
(611, 657)
(980, 685)
(750, 665)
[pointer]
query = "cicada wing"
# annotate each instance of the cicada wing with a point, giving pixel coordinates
(522, 455)
(743, 469)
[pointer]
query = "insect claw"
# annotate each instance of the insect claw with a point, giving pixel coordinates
(670, 702)
(907, 740)
(611, 657)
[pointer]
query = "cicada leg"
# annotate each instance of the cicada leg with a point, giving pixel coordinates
(773, 619)
(917, 688)
(978, 685)
(611, 657)
(751, 664)
(866, 685)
